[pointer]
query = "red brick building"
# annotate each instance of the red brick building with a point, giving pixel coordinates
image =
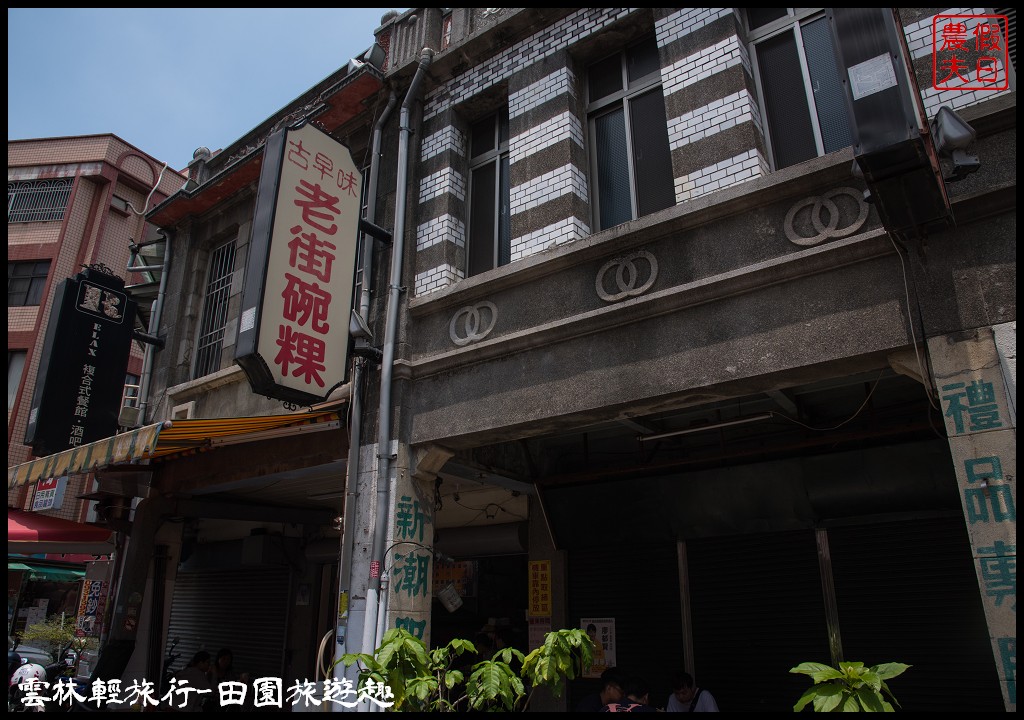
(71, 202)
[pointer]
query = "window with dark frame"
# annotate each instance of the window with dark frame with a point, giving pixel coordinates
(26, 282)
(799, 84)
(15, 366)
(631, 161)
(490, 234)
(215, 310)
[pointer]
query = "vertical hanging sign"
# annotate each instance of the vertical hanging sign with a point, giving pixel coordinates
(83, 363)
(293, 329)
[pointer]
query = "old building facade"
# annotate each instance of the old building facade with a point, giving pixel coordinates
(637, 353)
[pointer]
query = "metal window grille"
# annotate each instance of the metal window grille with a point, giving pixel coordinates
(38, 200)
(215, 310)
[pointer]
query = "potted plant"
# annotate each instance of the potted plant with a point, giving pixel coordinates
(851, 688)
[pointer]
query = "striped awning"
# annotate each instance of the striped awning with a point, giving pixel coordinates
(169, 438)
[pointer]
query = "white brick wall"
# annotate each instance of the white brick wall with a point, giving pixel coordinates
(434, 231)
(436, 278)
(548, 186)
(560, 82)
(558, 233)
(921, 41)
(919, 34)
(448, 138)
(544, 135)
(566, 33)
(701, 64)
(733, 171)
(713, 118)
(686, 21)
(441, 182)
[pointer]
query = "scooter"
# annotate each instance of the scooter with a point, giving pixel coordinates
(31, 685)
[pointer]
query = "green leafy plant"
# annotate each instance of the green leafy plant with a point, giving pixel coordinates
(55, 635)
(851, 688)
(423, 680)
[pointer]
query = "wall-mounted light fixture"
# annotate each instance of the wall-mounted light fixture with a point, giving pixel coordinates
(702, 428)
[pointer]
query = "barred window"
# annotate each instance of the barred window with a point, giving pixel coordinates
(26, 282)
(38, 200)
(215, 310)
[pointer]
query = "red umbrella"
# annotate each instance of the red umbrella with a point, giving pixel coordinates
(29, 533)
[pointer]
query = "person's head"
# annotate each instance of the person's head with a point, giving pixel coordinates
(200, 660)
(504, 637)
(612, 684)
(225, 659)
(683, 687)
(637, 689)
(484, 642)
(592, 631)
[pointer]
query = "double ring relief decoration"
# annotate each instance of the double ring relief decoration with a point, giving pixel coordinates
(472, 323)
(634, 275)
(828, 219)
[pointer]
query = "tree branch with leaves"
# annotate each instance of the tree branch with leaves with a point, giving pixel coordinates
(423, 680)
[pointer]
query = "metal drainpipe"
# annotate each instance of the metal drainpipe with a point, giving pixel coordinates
(356, 401)
(154, 326)
(373, 590)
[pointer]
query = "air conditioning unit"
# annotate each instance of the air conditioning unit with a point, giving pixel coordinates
(129, 417)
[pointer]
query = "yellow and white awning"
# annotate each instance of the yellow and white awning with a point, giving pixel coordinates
(164, 439)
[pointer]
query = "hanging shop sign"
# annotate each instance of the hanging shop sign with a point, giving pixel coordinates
(83, 363)
(49, 494)
(293, 329)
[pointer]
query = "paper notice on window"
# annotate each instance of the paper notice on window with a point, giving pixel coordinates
(872, 76)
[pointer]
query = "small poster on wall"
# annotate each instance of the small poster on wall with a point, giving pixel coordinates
(602, 632)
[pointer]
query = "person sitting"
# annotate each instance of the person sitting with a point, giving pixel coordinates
(223, 671)
(637, 693)
(191, 688)
(610, 692)
(687, 697)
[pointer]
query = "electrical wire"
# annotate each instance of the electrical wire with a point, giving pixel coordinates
(926, 379)
(148, 197)
(835, 427)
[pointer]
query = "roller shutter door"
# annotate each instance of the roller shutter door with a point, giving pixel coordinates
(757, 609)
(245, 610)
(908, 592)
(638, 585)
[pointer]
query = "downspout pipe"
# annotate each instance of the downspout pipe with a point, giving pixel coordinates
(155, 314)
(356, 401)
(373, 590)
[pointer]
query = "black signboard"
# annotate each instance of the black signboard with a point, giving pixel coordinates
(83, 364)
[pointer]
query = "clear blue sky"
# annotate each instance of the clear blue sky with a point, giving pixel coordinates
(170, 80)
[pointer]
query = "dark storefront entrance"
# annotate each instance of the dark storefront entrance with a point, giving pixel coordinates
(866, 547)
